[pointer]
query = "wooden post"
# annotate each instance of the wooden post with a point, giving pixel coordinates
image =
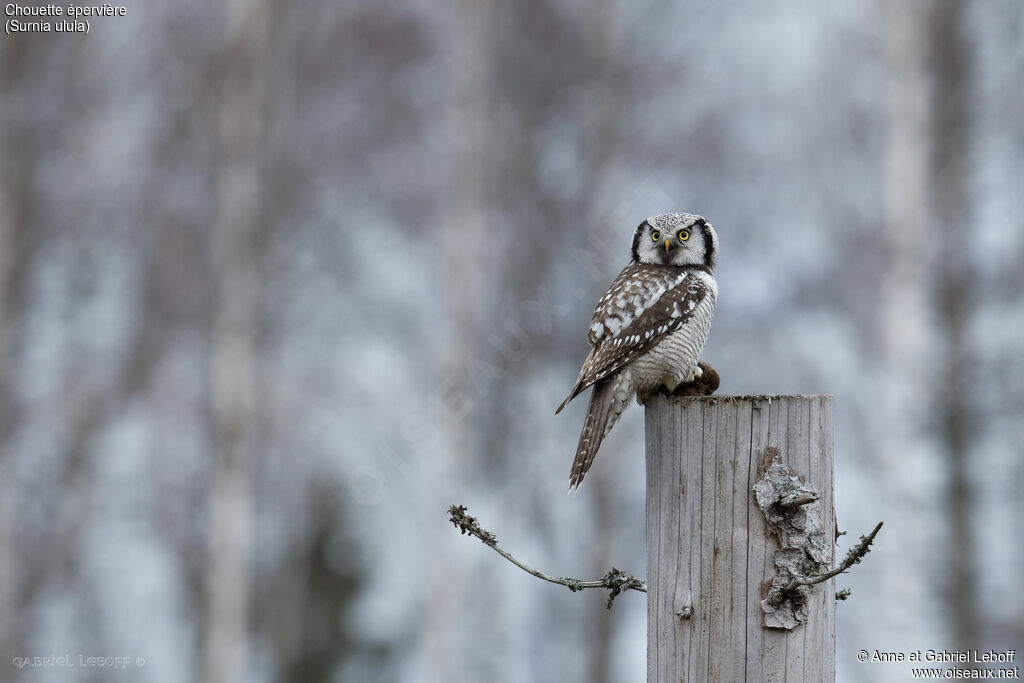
(710, 553)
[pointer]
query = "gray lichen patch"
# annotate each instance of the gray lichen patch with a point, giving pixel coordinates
(793, 512)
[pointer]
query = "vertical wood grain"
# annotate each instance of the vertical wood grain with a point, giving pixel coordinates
(708, 548)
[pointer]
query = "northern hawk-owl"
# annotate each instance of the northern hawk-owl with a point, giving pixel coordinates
(649, 327)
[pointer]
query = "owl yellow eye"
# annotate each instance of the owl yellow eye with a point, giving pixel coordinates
(655, 236)
(683, 235)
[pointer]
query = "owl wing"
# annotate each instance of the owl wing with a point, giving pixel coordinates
(644, 304)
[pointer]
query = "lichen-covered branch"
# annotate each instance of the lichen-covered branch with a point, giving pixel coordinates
(615, 581)
(853, 556)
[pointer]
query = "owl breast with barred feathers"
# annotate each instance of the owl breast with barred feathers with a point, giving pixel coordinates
(650, 326)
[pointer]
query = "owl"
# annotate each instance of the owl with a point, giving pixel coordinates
(649, 327)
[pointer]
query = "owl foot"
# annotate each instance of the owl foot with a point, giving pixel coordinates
(696, 373)
(704, 383)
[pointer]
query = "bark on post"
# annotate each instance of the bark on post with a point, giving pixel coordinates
(711, 553)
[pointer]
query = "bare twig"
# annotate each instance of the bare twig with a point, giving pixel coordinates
(615, 580)
(855, 555)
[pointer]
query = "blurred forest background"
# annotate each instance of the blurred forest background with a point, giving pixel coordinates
(281, 281)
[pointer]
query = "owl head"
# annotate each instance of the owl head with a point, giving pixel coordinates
(675, 239)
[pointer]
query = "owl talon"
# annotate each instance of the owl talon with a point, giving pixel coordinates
(705, 383)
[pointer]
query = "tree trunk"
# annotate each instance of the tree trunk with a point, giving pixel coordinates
(954, 302)
(711, 556)
(235, 326)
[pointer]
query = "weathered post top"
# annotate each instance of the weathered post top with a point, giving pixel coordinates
(722, 605)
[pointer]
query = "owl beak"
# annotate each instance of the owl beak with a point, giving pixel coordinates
(668, 243)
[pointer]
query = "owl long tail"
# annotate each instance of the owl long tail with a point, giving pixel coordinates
(609, 399)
